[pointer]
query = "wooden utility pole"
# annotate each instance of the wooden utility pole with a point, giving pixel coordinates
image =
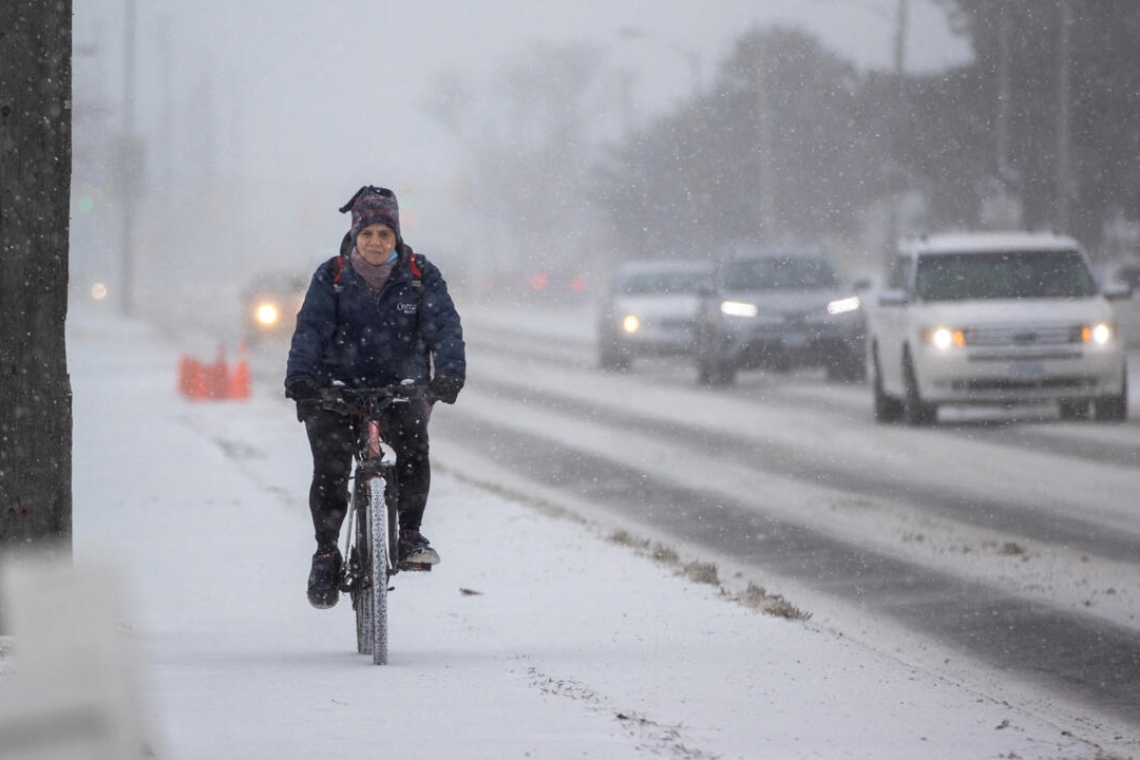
(1003, 95)
(35, 201)
(769, 221)
(900, 71)
(1064, 187)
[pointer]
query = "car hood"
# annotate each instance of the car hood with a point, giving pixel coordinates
(659, 305)
(1014, 311)
(788, 301)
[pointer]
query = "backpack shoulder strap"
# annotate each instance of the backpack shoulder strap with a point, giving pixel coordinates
(336, 277)
(415, 264)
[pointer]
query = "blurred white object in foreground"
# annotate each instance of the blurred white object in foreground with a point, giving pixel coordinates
(73, 692)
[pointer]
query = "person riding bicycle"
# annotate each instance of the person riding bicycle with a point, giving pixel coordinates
(374, 315)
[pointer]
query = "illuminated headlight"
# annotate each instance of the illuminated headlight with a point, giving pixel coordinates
(267, 314)
(738, 309)
(630, 323)
(943, 338)
(1099, 333)
(843, 305)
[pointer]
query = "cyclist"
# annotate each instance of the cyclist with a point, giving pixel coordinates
(374, 315)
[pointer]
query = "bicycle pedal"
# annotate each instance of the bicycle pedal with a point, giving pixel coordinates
(416, 567)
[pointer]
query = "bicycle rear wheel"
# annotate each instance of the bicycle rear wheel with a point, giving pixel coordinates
(360, 567)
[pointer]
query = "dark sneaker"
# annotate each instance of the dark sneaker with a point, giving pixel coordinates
(414, 548)
(324, 579)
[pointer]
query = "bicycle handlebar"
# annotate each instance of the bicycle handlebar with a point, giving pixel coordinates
(369, 401)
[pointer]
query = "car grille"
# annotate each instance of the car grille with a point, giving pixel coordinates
(1022, 335)
(982, 385)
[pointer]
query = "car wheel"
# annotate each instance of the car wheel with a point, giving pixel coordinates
(713, 371)
(915, 410)
(614, 360)
(887, 409)
(1113, 408)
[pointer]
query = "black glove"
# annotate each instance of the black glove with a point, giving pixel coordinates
(444, 388)
(307, 395)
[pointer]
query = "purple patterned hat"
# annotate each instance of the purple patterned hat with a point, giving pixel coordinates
(372, 205)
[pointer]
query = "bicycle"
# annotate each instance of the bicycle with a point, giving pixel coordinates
(371, 554)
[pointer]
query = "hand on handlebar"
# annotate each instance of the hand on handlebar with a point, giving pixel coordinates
(444, 388)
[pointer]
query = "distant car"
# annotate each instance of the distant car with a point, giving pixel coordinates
(649, 310)
(270, 304)
(780, 310)
(989, 318)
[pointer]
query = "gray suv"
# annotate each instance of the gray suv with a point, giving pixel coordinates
(779, 310)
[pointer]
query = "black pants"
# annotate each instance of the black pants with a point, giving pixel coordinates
(333, 438)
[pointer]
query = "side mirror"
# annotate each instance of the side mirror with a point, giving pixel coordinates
(1117, 291)
(893, 297)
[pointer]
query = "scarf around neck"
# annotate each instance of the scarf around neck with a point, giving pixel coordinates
(374, 274)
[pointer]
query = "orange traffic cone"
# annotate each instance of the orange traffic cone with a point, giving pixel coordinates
(217, 375)
(239, 381)
(196, 385)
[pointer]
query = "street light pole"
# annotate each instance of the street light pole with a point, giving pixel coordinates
(127, 156)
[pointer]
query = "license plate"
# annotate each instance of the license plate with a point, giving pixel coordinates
(1027, 371)
(796, 340)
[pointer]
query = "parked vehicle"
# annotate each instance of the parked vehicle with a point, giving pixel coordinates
(1005, 318)
(649, 309)
(779, 310)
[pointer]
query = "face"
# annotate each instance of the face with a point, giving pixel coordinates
(376, 243)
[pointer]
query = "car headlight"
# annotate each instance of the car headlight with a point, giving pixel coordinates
(944, 338)
(630, 323)
(1100, 333)
(267, 314)
(738, 309)
(843, 305)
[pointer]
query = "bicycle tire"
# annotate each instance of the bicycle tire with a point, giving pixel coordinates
(360, 564)
(382, 515)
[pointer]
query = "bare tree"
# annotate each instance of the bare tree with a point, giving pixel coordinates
(35, 182)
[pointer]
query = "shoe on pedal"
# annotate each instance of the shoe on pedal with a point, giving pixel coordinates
(324, 579)
(415, 549)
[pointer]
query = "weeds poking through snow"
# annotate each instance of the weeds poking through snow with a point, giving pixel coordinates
(625, 539)
(663, 553)
(754, 597)
(702, 572)
(770, 604)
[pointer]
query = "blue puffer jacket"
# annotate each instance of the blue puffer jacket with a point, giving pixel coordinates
(345, 332)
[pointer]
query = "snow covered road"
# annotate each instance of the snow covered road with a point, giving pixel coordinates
(538, 636)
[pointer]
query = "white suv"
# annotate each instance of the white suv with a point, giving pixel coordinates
(995, 318)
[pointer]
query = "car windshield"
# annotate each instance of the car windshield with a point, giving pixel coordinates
(644, 283)
(780, 274)
(1016, 274)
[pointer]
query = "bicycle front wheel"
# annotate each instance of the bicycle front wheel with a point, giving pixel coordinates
(382, 513)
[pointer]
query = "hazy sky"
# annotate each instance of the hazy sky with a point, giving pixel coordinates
(311, 99)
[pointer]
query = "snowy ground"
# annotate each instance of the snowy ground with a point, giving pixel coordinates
(536, 637)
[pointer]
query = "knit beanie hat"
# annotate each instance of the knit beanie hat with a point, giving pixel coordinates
(372, 205)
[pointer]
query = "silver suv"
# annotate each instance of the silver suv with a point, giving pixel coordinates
(995, 318)
(779, 310)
